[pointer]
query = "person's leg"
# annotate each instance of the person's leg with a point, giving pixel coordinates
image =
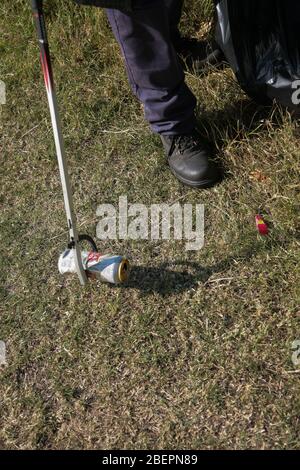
(157, 79)
(174, 9)
(196, 54)
(153, 68)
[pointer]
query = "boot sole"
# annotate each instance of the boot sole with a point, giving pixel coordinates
(204, 184)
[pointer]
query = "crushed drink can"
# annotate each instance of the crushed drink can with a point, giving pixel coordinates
(107, 268)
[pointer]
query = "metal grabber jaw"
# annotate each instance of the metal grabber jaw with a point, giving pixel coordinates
(113, 269)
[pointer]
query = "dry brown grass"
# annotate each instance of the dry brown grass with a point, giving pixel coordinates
(196, 351)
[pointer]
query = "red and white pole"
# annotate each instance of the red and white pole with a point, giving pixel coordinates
(37, 9)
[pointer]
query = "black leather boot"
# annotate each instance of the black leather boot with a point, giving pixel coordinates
(190, 160)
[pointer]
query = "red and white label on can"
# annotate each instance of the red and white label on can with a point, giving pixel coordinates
(94, 257)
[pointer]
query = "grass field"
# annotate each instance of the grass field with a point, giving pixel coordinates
(195, 352)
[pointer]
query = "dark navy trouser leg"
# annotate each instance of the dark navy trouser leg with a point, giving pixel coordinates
(153, 69)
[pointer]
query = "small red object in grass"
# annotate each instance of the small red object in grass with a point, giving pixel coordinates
(261, 225)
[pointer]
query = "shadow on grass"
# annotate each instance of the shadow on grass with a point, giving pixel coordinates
(164, 281)
(238, 120)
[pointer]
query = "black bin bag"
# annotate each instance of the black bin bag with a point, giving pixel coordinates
(261, 41)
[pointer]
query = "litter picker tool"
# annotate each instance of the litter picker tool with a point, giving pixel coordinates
(107, 268)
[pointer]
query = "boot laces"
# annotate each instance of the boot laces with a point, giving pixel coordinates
(186, 142)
